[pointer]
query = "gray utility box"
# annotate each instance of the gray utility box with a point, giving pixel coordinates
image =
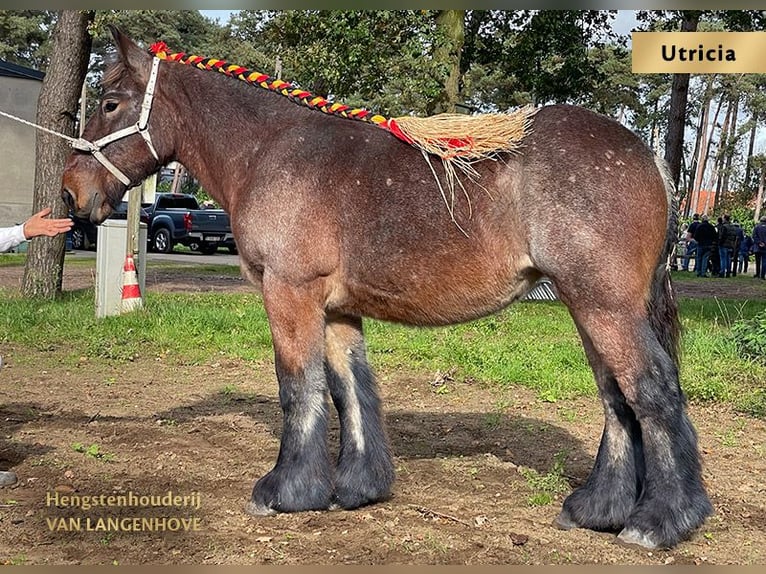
(110, 260)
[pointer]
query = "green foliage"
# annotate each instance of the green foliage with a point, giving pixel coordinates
(550, 56)
(93, 451)
(744, 215)
(25, 37)
(375, 59)
(545, 487)
(615, 89)
(185, 30)
(712, 367)
(750, 336)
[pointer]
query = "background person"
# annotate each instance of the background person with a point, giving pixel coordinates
(705, 235)
(759, 248)
(691, 243)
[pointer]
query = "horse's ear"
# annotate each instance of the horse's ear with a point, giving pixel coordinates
(136, 60)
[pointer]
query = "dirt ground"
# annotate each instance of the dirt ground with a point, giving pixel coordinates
(206, 432)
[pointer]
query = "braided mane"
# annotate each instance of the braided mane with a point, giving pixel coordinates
(297, 95)
(458, 140)
(449, 136)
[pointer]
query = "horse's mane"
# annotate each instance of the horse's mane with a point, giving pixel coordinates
(458, 139)
(449, 136)
(114, 71)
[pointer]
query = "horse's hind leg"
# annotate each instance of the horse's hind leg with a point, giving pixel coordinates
(607, 498)
(668, 499)
(302, 477)
(365, 471)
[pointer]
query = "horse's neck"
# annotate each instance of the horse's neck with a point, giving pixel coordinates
(220, 129)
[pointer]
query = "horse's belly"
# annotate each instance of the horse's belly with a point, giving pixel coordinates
(437, 296)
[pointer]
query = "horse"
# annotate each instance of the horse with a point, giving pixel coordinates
(337, 220)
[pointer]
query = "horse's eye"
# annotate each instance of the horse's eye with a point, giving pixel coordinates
(110, 106)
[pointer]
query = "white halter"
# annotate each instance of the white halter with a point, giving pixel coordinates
(140, 127)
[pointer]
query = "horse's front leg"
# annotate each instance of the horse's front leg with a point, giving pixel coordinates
(302, 478)
(365, 471)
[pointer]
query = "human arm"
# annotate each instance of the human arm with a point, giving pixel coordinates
(35, 226)
(10, 237)
(38, 225)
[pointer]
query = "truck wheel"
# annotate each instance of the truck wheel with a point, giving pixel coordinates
(208, 248)
(162, 242)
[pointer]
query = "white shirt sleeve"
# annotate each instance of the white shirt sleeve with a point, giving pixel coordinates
(10, 237)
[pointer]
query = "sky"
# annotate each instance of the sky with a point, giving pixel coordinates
(222, 15)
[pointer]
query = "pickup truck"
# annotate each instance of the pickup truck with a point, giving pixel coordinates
(175, 218)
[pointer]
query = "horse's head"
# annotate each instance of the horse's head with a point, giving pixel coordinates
(122, 142)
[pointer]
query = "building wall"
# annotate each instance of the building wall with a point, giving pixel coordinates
(18, 96)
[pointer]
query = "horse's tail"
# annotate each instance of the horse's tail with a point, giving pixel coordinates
(663, 307)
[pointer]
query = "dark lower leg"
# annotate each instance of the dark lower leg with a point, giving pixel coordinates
(365, 471)
(609, 495)
(302, 478)
(610, 492)
(673, 502)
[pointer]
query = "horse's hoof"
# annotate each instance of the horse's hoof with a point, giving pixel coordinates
(632, 537)
(564, 522)
(257, 509)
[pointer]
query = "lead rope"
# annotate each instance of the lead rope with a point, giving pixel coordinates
(94, 148)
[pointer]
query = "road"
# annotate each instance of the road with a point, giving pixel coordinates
(220, 258)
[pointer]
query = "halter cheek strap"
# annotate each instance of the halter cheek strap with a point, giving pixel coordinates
(141, 127)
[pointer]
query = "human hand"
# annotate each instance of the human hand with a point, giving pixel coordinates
(38, 225)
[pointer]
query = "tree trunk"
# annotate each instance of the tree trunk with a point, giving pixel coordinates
(450, 25)
(704, 155)
(674, 141)
(731, 143)
(692, 193)
(56, 109)
(759, 197)
(750, 149)
(701, 148)
(723, 141)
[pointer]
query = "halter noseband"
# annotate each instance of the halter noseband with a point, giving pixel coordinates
(140, 127)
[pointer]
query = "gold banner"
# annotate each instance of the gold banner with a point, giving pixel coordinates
(699, 52)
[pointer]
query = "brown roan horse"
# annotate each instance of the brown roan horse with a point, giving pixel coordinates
(336, 220)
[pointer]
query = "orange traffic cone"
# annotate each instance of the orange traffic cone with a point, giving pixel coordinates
(131, 292)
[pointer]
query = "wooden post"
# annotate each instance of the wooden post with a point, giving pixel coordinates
(177, 175)
(83, 94)
(134, 218)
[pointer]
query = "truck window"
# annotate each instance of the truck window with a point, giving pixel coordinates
(177, 203)
(186, 203)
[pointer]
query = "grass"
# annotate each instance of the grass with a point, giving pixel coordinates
(530, 344)
(545, 487)
(93, 451)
